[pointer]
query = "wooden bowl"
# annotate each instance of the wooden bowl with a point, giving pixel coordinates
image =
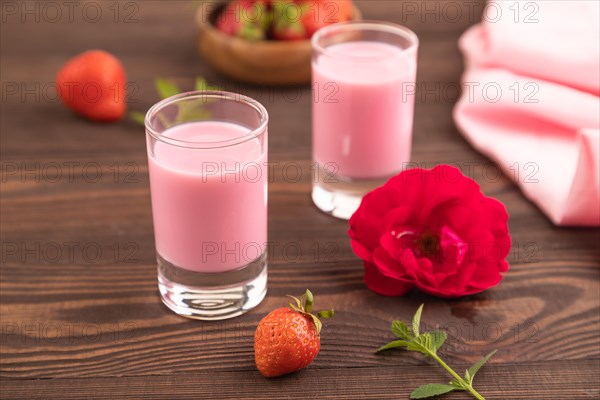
(266, 62)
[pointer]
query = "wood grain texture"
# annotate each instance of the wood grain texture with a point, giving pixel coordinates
(510, 381)
(80, 314)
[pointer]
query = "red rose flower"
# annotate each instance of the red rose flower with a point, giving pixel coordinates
(431, 229)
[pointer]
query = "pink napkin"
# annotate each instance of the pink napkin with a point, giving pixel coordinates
(531, 101)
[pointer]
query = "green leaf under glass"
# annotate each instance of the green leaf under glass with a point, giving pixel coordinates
(187, 111)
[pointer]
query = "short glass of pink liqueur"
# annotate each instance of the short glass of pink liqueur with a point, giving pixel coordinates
(363, 100)
(207, 155)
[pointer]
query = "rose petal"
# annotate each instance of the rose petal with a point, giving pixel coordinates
(395, 240)
(499, 225)
(361, 251)
(485, 277)
(366, 223)
(389, 266)
(445, 292)
(399, 217)
(425, 273)
(453, 251)
(385, 285)
(446, 184)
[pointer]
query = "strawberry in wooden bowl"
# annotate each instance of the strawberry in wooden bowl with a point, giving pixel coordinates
(267, 41)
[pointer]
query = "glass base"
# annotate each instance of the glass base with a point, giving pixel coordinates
(212, 296)
(339, 196)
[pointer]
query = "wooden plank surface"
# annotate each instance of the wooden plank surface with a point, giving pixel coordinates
(79, 307)
(510, 381)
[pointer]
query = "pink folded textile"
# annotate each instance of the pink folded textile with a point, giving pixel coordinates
(531, 101)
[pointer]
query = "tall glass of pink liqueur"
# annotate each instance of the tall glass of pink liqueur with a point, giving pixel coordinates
(363, 99)
(207, 155)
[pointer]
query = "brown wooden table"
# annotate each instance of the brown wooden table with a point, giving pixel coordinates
(80, 312)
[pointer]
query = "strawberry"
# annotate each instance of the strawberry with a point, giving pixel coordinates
(248, 19)
(287, 20)
(300, 19)
(320, 13)
(93, 84)
(287, 339)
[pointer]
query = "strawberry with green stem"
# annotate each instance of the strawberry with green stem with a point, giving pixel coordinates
(287, 339)
(300, 19)
(320, 13)
(248, 19)
(287, 20)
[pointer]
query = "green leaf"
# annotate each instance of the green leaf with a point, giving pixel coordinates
(428, 343)
(308, 301)
(298, 305)
(468, 377)
(401, 330)
(417, 320)
(393, 345)
(458, 385)
(437, 339)
(430, 390)
(475, 367)
(317, 322)
(422, 344)
(138, 117)
(325, 314)
(200, 83)
(192, 111)
(165, 88)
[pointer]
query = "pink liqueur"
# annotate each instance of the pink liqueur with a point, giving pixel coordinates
(209, 205)
(364, 124)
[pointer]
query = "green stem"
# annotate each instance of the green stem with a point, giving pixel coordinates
(457, 377)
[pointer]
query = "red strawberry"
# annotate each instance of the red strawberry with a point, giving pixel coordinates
(320, 13)
(293, 31)
(300, 19)
(93, 84)
(248, 19)
(287, 20)
(287, 339)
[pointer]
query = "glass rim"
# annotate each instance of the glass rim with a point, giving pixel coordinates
(215, 94)
(382, 26)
